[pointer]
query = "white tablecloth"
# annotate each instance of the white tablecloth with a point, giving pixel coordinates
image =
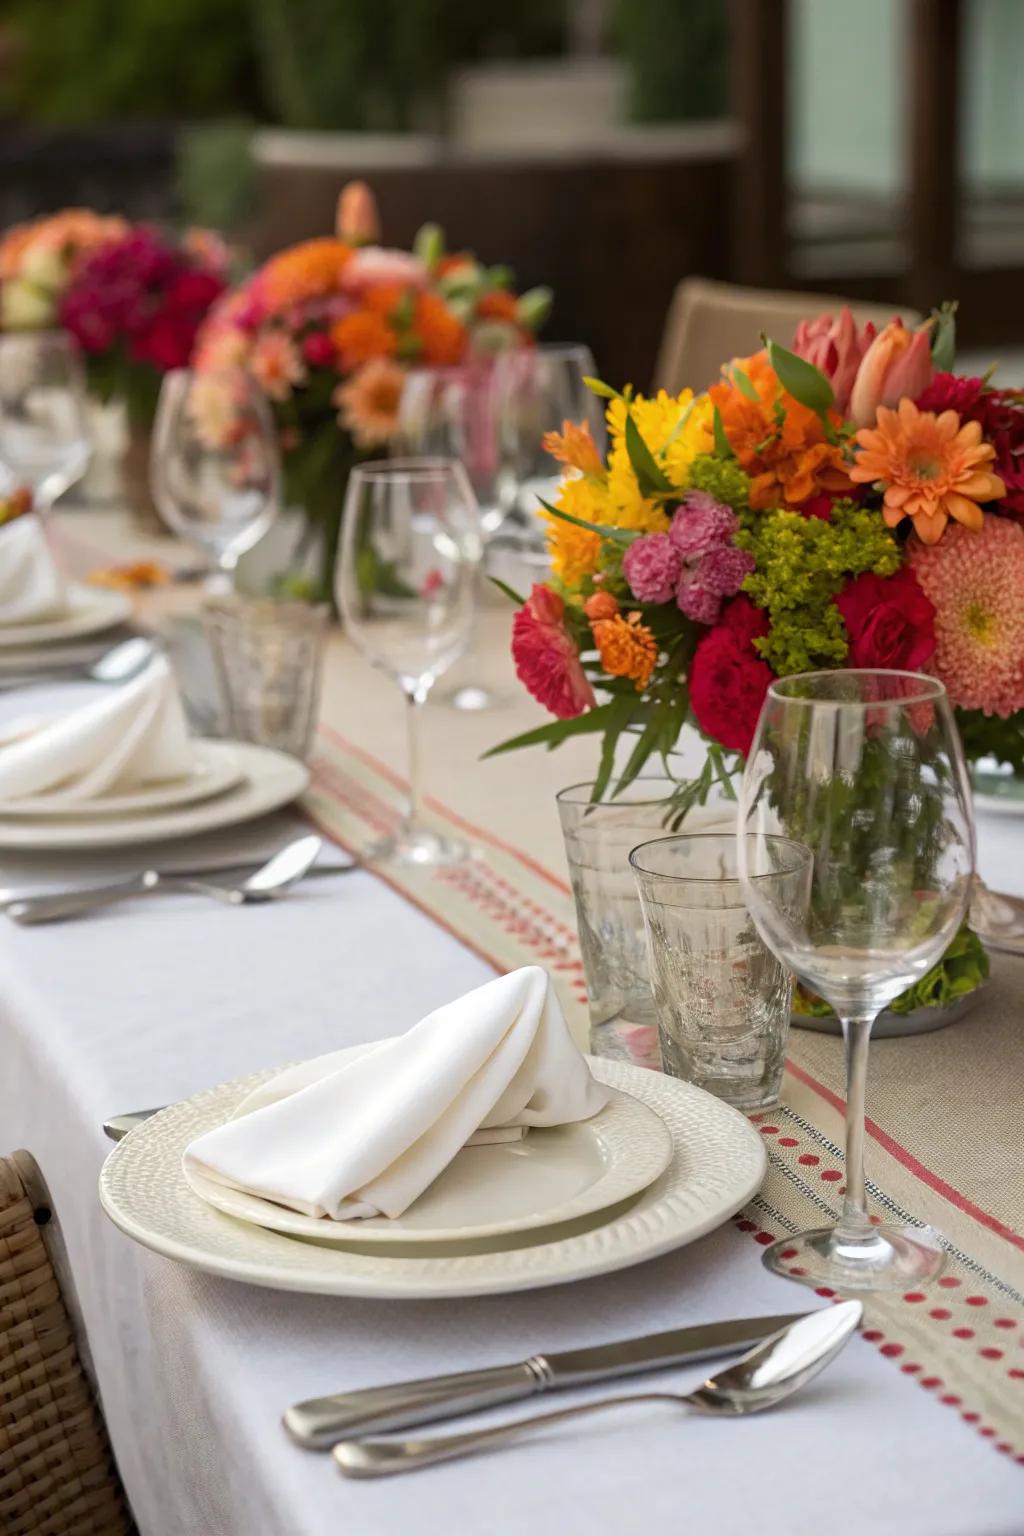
(153, 1002)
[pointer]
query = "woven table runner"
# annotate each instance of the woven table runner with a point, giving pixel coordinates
(962, 1339)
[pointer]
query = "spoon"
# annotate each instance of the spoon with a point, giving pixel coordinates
(288, 865)
(764, 1376)
(118, 665)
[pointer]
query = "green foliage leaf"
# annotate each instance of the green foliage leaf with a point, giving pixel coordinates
(651, 478)
(622, 711)
(510, 592)
(599, 387)
(614, 535)
(944, 337)
(801, 379)
(744, 384)
(723, 447)
(554, 732)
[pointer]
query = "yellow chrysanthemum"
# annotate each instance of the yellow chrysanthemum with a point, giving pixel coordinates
(673, 432)
(628, 508)
(697, 436)
(575, 551)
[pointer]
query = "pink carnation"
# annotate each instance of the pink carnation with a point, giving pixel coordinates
(652, 567)
(700, 524)
(546, 659)
(975, 581)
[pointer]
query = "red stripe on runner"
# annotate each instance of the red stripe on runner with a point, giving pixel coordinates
(911, 1163)
(453, 816)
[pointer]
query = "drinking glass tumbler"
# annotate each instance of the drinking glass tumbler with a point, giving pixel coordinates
(721, 996)
(268, 659)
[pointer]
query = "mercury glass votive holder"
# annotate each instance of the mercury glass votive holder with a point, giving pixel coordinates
(268, 658)
(721, 997)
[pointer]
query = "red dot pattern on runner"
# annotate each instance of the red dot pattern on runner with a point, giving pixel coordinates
(971, 1418)
(976, 1301)
(951, 1400)
(1004, 1447)
(931, 1382)
(764, 1237)
(1004, 1322)
(796, 1270)
(809, 1160)
(823, 1290)
(990, 1354)
(769, 1130)
(788, 1253)
(949, 1282)
(872, 1335)
(940, 1314)
(987, 1431)
(747, 1226)
(891, 1351)
(1015, 1374)
(963, 1333)
(913, 1296)
(830, 1175)
(910, 1369)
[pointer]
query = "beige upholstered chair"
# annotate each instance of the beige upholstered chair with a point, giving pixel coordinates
(709, 323)
(57, 1475)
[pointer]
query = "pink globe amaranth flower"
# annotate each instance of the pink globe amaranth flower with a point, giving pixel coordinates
(546, 659)
(974, 581)
(897, 364)
(652, 566)
(374, 266)
(698, 601)
(701, 523)
(836, 347)
(723, 570)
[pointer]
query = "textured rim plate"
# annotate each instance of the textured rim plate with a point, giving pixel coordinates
(549, 1177)
(269, 780)
(216, 770)
(888, 1025)
(718, 1162)
(90, 610)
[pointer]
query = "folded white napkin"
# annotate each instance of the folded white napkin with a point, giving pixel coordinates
(32, 586)
(134, 734)
(363, 1132)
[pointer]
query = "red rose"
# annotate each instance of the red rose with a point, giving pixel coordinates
(728, 680)
(891, 623)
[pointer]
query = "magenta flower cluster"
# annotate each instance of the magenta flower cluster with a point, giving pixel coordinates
(696, 561)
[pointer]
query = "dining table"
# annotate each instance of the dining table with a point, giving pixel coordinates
(917, 1429)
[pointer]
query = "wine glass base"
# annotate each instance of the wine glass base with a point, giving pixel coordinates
(472, 697)
(419, 848)
(886, 1258)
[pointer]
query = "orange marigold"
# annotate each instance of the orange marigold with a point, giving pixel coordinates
(627, 648)
(601, 605)
(499, 304)
(362, 336)
(574, 447)
(306, 271)
(441, 333)
(788, 459)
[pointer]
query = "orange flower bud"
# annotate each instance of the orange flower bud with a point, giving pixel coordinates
(602, 605)
(357, 220)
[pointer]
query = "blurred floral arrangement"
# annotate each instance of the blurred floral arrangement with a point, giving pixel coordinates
(132, 296)
(329, 327)
(15, 504)
(849, 502)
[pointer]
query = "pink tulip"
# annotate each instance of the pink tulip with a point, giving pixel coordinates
(897, 364)
(836, 348)
(357, 220)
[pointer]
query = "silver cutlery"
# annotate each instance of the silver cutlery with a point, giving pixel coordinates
(237, 870)
(764, 1377)
(321, 1422)
(118, 665)
(118, 1126)
(288, 866)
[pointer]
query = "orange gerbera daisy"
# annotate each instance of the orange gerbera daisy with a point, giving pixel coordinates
(780, 443)
(575, 448)
(362, 336)
(384, 298)
(441, 332)
(306, 271)
(367, 403)
(627, 648)
(930, 467)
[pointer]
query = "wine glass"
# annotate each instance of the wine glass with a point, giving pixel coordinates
(451, 412)
(215, 466)
(45, 441)
(537, 390)
(865, 768)
(406, 584)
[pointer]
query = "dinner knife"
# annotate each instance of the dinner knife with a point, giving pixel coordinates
(321, 1422)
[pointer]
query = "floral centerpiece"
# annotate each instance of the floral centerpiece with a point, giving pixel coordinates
(851, 501)
(329, 328)
(132, 296)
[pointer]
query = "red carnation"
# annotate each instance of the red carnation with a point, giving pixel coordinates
(546, 658)
(1000, 413)
(728, 680)
(891, 623)
(947, 392)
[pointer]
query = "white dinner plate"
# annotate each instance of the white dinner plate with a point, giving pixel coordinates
(90, 610)
(718, 1162)
(549, 1176)
(216, 769)
(268, 780)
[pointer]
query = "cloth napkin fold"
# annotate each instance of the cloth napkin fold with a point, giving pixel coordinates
(135, 734)
(32, 586)
(364, 1131)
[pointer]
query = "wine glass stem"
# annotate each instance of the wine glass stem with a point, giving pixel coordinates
(853, 1222)
(415, 697)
